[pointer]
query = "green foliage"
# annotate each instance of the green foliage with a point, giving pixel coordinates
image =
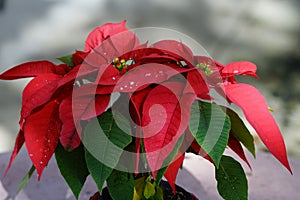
(210, 126)
(73, 168)
(240, 131)
(106, 140)
(120, 185)
(26, 178)
(149, 189)
(67, 60)
(232, 182)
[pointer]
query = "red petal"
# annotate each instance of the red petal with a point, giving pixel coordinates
(18, 145)
(47, 86)
(77, 72)
(68, 136)
(176, 49)
(29, 69)
(172, 170)
(99, 34)
(239, 68)
(199, 85)
(37, 92)
(256, 111)
(78, 57)
(41, 132)
(96, 107)
(165, 117)
(236, 146)
(92, 89)
(137, 99)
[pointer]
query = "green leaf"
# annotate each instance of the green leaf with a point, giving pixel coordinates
(210, 126)
(149, 190)
(26, 178)
(120, 185)
(168, 160)
(232, 181)
(72, 167)
(67, 60)
(159, 194)
(139, 187)
(240, 131)
(104, 142)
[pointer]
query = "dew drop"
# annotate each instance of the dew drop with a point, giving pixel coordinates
(148, 74)
(113, 78)
(125, 86)
(41, 162)
(236, 71)
(30, 155)
(121, 88)
(49, 141)
(131, 83)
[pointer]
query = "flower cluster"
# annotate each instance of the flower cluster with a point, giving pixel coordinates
(165, 92)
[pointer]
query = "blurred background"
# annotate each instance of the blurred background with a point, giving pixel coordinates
(266, 32)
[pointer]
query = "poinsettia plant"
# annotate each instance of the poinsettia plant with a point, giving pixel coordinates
(126, 112)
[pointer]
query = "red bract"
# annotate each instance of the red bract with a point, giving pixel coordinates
(32, 69)
(41, 132)
(164, 121)
(69, 137)
(100, 34)
(172, 170)
(236, 146)
(257, 113)
(239, 68)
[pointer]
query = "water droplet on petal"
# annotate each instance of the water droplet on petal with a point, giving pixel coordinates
(113, 78)
(49, 141)
(30, 155)
(41, 162)
(121, 88)
(236, 71)
(131, 83)
(148, 74)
